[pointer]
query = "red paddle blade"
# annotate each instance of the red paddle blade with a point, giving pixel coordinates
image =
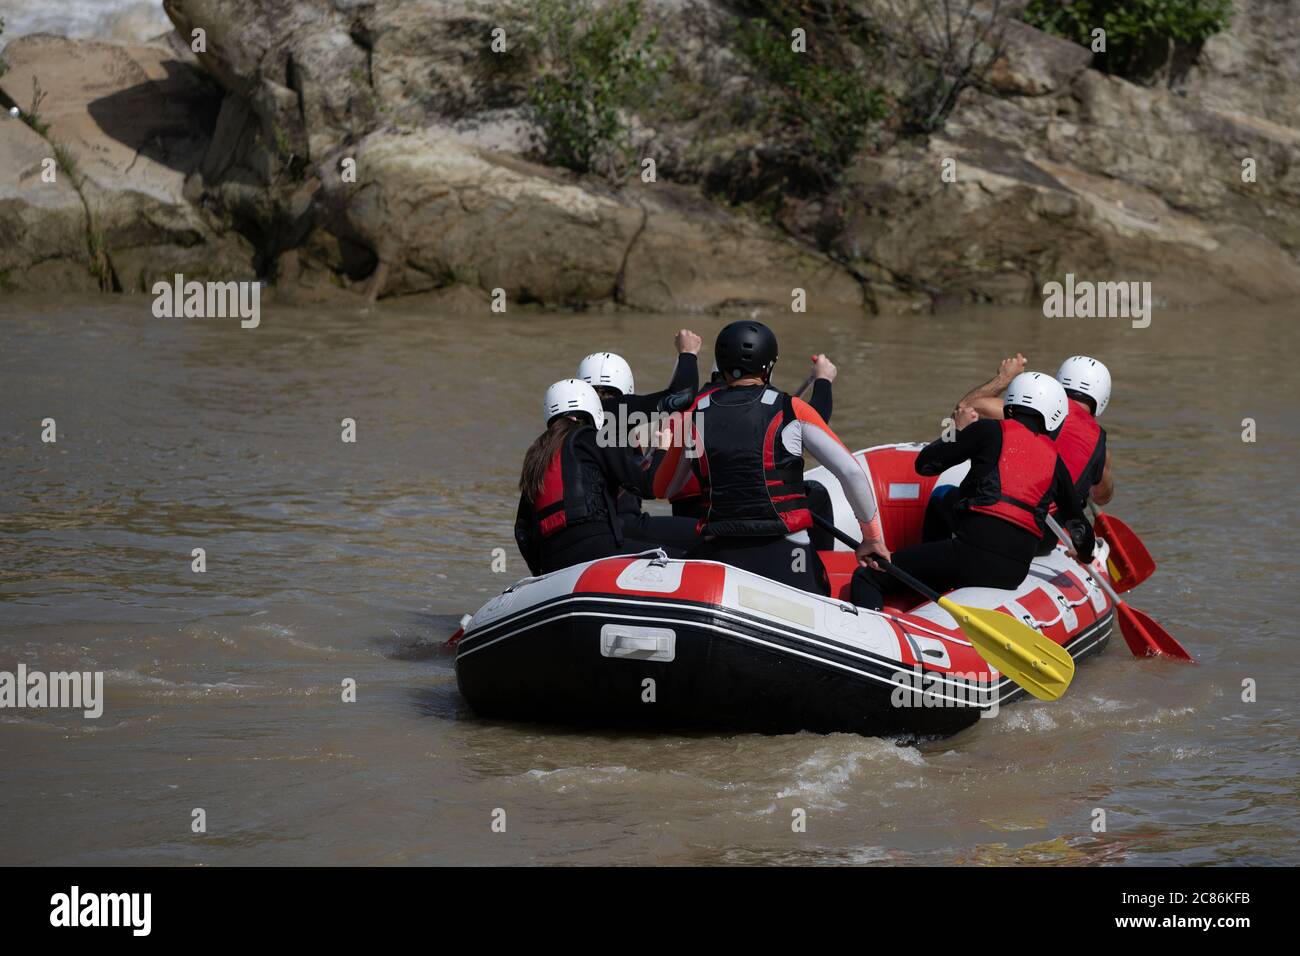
(1129, 558)
(460, 631)
(1146, 638)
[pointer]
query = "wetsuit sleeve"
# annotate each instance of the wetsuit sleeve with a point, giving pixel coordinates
(1099, 467)
(686, 374)
(528, 545)
(1070, 514)
(685, 380)
(820, 399)
(816, 437)
(632, 404)
(621, 466)
(1067, 502)
(940, 455)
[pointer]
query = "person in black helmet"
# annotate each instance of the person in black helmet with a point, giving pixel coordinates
(686, 500)
(744, 445)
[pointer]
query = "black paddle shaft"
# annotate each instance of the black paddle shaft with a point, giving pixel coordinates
(889, 567)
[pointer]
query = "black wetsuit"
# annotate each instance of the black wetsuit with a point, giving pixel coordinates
(686, 378)
(819, 499)
(753, 481)
(672, 532)
(595, 538)
(969, 549)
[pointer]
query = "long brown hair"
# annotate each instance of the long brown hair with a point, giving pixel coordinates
(541, 451)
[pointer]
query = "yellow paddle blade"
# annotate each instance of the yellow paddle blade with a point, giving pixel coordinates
(1036, 663)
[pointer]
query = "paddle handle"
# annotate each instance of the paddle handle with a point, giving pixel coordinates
(806, 382)
(888, 566)
(1103, 578)
(1060, 532)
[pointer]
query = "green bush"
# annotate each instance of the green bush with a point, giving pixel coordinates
(597, 62)
(1140, 34)
(815, 105)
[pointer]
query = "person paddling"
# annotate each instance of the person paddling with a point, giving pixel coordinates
(998, 512)
(744, 445)
(686, 499)
(1082, 441)
(629, 422)
(568, 484)
(611, 376)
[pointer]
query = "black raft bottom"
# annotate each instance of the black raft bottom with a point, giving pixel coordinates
(555, 673)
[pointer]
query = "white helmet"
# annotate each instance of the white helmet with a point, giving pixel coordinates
(570, 395)
(1042, 393)
(1082, 374)
(606, 368)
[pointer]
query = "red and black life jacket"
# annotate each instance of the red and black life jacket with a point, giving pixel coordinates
(1019, 489)
(750, 485)
(574, 491)
(690, 489)
(1081, 447)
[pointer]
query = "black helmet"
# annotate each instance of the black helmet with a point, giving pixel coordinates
(745, 346)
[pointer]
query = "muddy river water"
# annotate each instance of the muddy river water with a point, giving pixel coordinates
(328, 560)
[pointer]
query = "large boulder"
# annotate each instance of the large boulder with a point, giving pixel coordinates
(42, 224)
(691, 257)
(438, 212)
(443, 195)
(134, 121)
(1012, 222)
(1060, 168)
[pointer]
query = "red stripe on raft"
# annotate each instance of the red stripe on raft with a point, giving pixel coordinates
(700, 582)
(1070, 586)
(1041, 607)
(962, 660)
(1044, 608)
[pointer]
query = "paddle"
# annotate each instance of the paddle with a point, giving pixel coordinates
(1130, 563)
(1037, 663)
(812, 377)
(1145, 638)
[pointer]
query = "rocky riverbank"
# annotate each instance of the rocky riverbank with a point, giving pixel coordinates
(230, 163)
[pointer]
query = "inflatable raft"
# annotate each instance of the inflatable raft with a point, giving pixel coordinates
(647, 641)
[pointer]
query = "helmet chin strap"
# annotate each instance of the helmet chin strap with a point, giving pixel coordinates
(765, 376)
